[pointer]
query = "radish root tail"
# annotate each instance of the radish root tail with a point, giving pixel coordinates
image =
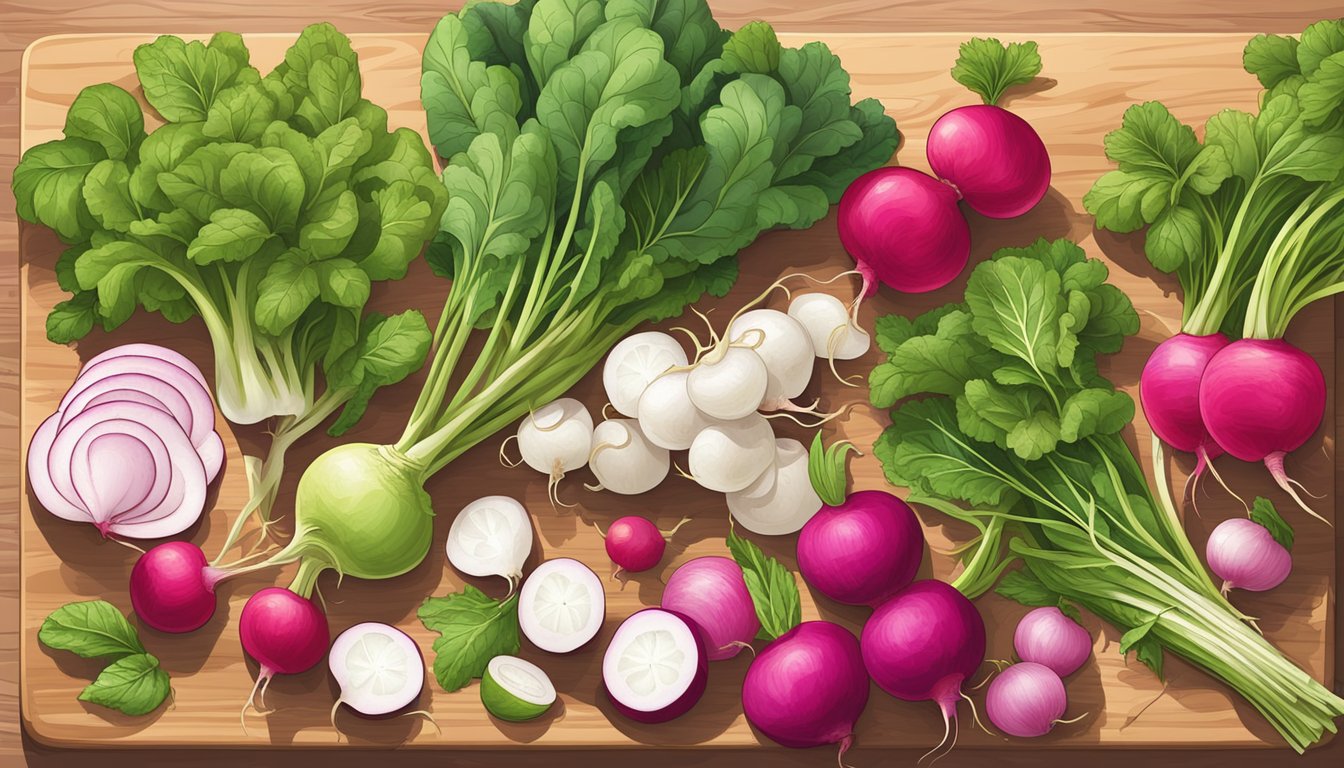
(1213, 470)
(503, 456)
(1274, 463)
(845, 744)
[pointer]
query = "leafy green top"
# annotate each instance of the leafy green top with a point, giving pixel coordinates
(826, 469)
(133, 683)
(774, 593)
(1264, 513)
(988, 67)
(473, 629)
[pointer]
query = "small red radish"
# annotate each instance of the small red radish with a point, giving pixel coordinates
(1245, 555)
(173, 587)
(1047, 637)
(285, 632)
(1169, 394)
(712, 592)
(862, 550)
(993, 158)
(635, 544)
(1026, 700)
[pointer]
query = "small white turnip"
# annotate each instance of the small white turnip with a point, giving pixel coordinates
(666, 414)
(834, 334)
(561, 605)
(782, 499)
(634, 363)
(625, 461)
(728, 383)
(785, 347)
(378, 667)
(555, 439)
(730, 455)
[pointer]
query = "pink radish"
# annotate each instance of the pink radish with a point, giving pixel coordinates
(286, 634)
(173, 588)
(994, 160)
(1169, 394)
(635, 544)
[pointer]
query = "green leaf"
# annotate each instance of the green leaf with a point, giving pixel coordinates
(1175, 239)
(108, 196)
(1319, 42)
(72, 319)
(753, 48)
(108, 116)
(134, 685)
(241, 114)
(691, 36)
(1095, 412)
(988, 67)
(826, 469)
(195, 184)
(773, 590)
(390, 349)
(232, 235)
(472, 630)
(834, 174)
(1147, 648)
(815, 82)
(289, 286)
(161, 151)
(1015, 304)
(326, 229)
(333, 90)
(464, 98)
(1271, 58)
(403, 223)
(266, 182)
(1323, 94)
(556, 31)
(1034, 436)
(1123, 202)
(49, 182)
(182, 80)
(90, 629)
(1264, 513)
(940, 359)
(924, 450)
(1023, 587)
(343, 283)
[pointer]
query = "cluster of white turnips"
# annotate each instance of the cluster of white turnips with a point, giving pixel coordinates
(710, 405)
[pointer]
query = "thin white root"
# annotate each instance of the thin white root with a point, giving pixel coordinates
(503, 457)
(668, 536)
(334, 726)
(788, 413)
(975, 716)
(1214, 471)
(126, 544)
(1071, 720)
(553, 490)
(739, 644)
(428, 717)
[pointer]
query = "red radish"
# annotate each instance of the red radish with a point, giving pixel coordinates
(808, 687)
(655, 667)
(1245, 555)
(922, 645)
(285, 632)
(712, 593)
(173, 588)
(1026, 700)
(863, 550)
(635, 544)
(993, 158)
(1169, 394)
(1260, 399)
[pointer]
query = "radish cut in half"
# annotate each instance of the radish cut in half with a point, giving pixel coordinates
(378, 667)
(561, 605)
(516, 690)
(655, 668)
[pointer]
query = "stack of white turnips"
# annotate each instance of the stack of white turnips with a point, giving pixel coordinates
(711, 407)
(132, 446)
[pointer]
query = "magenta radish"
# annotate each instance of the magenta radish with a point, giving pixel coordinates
(808, 687)
(173, 587)
(923, 644)
(712, 592)
(994, 160)
(1245, 555)
(862, 550)
(1169, 394)
(1047, 637)
(1026, 700)
(1261, 399)
(635, 544)
(286, 633)
(655, 668)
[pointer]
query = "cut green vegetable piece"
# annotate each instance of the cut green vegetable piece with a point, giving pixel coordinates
(516, 690)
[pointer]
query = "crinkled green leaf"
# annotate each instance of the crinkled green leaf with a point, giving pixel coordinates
(182, 80)
(1271, 58)
(90, 629)
(473, 629)
(1264, 513)
(108, 116)
(1095, 412)
(774, 592)
(49, 184)
(233, 234)
(241, 113)
(108, 196)
(988, 67)
(289, 286)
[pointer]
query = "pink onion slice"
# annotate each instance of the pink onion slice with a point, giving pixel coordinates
(152, 352)
(39, 479)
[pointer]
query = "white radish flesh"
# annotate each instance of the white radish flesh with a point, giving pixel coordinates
(623, 459)
(561, 605)
(785, 347)
(666, 414)
(731, 455)
(491, 536)
(827, 321)
(634, 363)
(378, 667)
(728, 384)
(782, 500)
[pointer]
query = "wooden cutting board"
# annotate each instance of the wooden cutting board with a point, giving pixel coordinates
(1089, 81)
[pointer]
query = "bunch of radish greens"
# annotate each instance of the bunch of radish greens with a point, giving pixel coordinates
(1016, 433)
(1251, 220)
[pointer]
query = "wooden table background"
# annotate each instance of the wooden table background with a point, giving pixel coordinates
(23, 22)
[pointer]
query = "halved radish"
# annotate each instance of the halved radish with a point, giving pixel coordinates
(378, 667)
(516, 690)
(634, 363)
(562, 605)
(655, 667)
(491, 536)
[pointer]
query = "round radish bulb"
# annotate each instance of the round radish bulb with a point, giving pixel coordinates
(1046, 636)
(666, 414)
(655, 667)
(1245, 556)
(173, 587)
(516, 690)
(624, 460)
(922, 645)
(1169, 394)
(808, 687)
(634, 363)
(635, 544)
(903, 228)
(1026, 700)
(378, 667)
(827, 322)
(862, 551)
(992, 157)
(784, 346)
(728, 385)
(1261, 399)
(491, 536)
(556, 438)
(712, 593)
(561, 606)
(781, 500)
(286, 633)
(730, 455)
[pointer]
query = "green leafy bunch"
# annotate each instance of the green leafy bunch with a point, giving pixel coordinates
(267, 206)
(133, 682)
(607, 159)
(1001, 419)
(1215, 209)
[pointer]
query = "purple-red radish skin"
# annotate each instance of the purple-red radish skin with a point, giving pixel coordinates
(286, 633)
(635, 544)
(1026, 700)
(712, 593)
(1260, 397)
(992, 157)
(1245, 556)
(688, 698)
(1169, 394)
(1047, 637)
(173, 587)
(864, 550)
(808, 687)
(903, 229)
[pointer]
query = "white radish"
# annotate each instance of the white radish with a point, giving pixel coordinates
(782, 499)
(556, 439)
(378, 667)
(834, 334)
(731, 455)
(785, 347)
(666, 414)
(491, 536)
(624, 461)
(729, 382)
(634, 363)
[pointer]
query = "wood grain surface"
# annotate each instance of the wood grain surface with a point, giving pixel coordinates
(21, 23)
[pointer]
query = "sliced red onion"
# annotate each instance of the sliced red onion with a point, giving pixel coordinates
(150, 352)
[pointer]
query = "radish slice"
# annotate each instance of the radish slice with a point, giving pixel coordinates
(378, 668)
(655, 667)
(149, 352)
(562, 605)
